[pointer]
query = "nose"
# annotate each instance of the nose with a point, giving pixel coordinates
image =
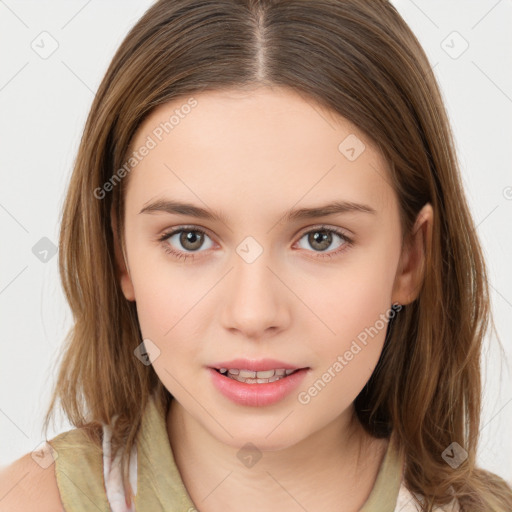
(257, 302)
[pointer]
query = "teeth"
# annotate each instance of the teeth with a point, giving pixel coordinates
(256, 381)
(247, 374)
(252, 377)
(265, 374)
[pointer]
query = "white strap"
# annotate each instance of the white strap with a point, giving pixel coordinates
(406, 503)
(112, 474)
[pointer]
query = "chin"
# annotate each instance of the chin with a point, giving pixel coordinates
(266, 437)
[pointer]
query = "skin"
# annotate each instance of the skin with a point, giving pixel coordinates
(252, 155)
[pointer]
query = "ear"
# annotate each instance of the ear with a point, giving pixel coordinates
(411, 267)
(122, 268)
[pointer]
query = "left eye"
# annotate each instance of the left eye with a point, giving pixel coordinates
(321, 239)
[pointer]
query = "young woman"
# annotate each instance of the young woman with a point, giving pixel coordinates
(278, 293)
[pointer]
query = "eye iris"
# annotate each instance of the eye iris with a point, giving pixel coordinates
(324, 238)
(193, 237)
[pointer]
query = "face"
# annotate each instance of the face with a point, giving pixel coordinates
(262, 275)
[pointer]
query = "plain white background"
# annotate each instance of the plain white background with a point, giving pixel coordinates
(44, 103)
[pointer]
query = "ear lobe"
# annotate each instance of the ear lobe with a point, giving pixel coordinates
(411, 268)
(122, 269)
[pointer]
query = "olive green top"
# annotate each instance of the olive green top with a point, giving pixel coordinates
(79, 472)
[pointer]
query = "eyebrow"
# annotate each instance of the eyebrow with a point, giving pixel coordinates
(180, 208)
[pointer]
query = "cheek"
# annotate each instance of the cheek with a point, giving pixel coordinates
(167, 318)
(161, 291)
(345, 359)
(354, 297)
(354, 305)
(171, 302)
(165, 307)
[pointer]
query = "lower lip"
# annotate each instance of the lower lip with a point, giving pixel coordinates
(257, 395)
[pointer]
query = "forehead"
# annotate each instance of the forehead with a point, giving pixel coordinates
(268, 145)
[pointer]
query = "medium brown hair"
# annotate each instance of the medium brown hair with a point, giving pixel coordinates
(361, 60)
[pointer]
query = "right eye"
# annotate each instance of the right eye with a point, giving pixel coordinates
(190, 240)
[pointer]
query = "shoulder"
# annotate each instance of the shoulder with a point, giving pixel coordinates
(27, 485)
(47, 479)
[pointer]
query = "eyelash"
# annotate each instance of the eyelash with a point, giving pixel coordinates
(184, 256)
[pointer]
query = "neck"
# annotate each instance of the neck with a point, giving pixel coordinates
(339, 462)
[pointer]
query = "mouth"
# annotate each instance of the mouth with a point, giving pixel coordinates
(256, 383)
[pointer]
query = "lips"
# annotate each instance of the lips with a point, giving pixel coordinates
(257, 392)
(254, 365)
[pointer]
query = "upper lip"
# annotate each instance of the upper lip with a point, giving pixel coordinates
(255, 365)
